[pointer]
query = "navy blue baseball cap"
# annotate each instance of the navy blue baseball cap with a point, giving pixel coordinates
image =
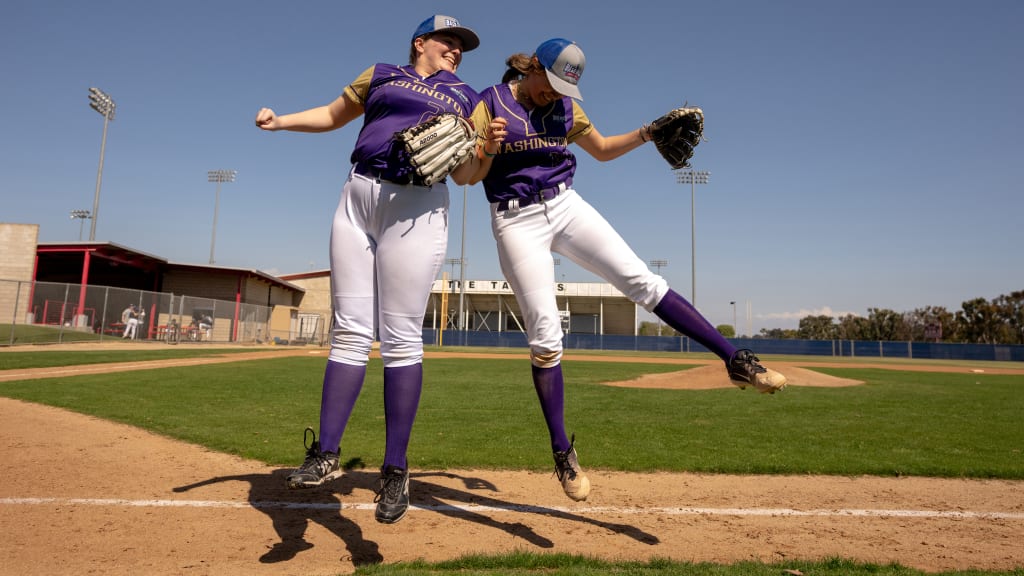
(442, 23)
(563, 62)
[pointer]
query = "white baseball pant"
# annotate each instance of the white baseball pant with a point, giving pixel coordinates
(569, 226)
(388, 242)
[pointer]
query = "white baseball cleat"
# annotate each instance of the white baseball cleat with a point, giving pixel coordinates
(745, 370)
(574, 480)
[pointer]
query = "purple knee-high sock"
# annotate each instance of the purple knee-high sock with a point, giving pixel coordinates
(402, 387)
(342, 383)
(685, 319)
(550, 387)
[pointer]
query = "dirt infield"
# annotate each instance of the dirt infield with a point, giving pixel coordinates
(82, 495)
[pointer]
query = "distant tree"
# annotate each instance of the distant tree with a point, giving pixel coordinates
(649, 329)
(1010, 309)
(884, 324)
(726, 330)
(852, 327)
(821, 327)
(931, 323)
(778, 333)
(979, 322)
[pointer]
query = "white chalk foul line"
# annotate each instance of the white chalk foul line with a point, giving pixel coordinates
(520, 508)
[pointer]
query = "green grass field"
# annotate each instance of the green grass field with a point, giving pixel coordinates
(36, 334)
(483, 413)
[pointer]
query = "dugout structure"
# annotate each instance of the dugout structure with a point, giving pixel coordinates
(85, 286)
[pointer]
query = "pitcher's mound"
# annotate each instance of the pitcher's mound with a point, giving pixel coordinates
(715, 376)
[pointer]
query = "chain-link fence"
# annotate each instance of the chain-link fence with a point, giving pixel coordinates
(38, 312)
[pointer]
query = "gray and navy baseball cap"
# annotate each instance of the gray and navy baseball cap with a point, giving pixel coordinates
(563, 62)
(441, 23)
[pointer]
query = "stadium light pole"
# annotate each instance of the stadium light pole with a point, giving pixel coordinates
(81, 215)
(462, 267)
(735, 329)
(451, 278)
(693, 177)
(659, 264)
(101, 102)
(452, 262)
(218, 176)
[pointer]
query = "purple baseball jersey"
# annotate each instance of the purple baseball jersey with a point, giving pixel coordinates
(535, 155)
(395, 98)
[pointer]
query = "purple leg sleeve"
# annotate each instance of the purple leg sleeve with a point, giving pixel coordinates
(550, 388)
(402, 387)
(685, 319)
(342, 383)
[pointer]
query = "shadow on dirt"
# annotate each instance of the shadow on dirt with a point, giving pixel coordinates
(291, 511)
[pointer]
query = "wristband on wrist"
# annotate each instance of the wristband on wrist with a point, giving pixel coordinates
(481, 151)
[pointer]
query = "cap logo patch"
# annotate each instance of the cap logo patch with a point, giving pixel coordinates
(571, 72)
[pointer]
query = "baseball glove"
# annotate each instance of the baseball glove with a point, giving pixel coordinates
(436, 146)
(676, 134)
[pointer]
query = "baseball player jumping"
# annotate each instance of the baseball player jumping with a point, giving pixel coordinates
(527, 173)
(388, 242)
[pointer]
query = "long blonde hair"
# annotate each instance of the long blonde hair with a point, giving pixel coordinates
(520, 65)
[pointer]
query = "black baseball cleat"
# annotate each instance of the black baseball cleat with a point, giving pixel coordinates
(319, 466)
(393, 497)
(567, 468)
(745, 370)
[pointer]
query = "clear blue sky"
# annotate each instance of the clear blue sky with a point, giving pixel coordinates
(862, 154)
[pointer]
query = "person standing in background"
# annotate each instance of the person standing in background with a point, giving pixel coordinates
(130, 317)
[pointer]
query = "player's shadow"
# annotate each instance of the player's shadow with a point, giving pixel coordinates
(291, 511)
(441, 498)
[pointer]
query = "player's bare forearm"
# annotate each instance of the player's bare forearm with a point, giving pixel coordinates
(320, 119)
(312, 120)
(476, 168)
(605, 148)
(464, 173)
(487, 147)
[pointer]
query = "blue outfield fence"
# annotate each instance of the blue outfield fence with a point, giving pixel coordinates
(851, 348)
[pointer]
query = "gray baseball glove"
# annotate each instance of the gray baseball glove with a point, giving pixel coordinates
(438, 145)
